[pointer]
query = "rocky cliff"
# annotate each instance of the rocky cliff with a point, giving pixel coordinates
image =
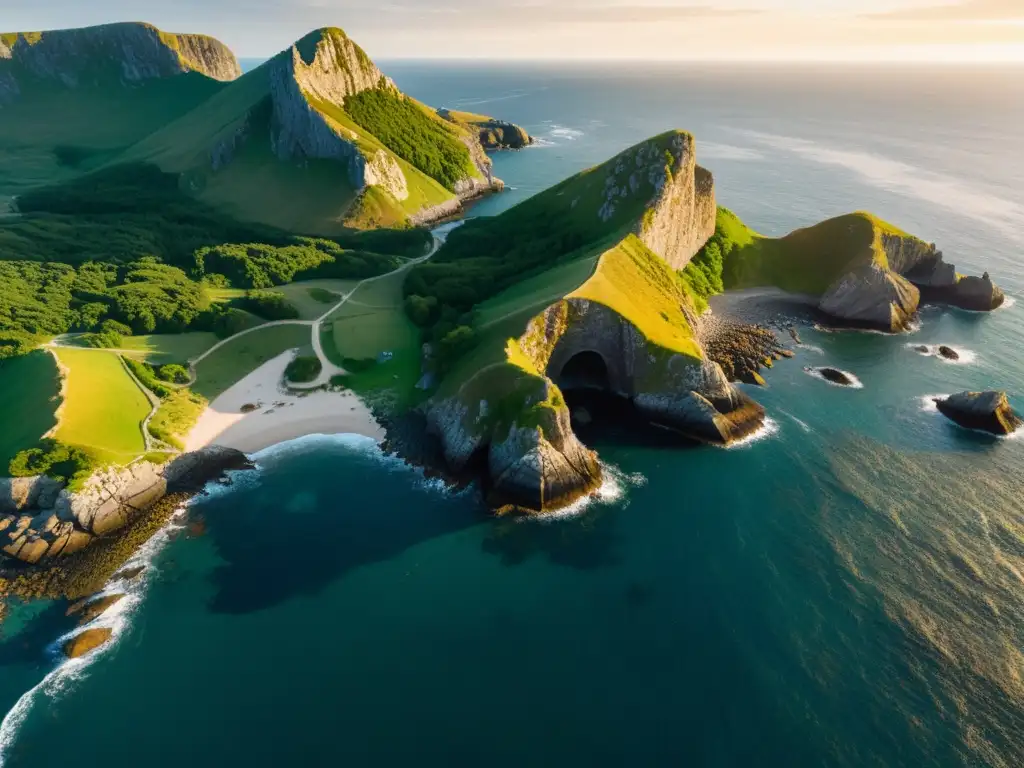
(627, 331)
(127, 53)
(883, 290)
(42, 521)
(491, 134)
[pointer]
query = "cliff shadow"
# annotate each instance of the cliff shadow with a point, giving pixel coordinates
(31, 643)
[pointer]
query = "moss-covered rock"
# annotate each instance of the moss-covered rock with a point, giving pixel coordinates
(86, 642)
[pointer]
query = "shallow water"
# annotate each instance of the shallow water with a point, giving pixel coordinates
(845, 591)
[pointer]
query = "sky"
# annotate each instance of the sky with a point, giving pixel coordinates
(732, 30)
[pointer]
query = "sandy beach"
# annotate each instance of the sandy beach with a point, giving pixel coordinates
(279, 415)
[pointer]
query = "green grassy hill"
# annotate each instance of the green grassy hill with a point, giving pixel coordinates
(317, 140)
(807, 260)
(72, 100)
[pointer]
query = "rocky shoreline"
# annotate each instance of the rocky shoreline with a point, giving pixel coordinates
(110, 519)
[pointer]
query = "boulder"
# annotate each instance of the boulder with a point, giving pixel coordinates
(985, 411)
(834, 375)
(949, 353)
(20, 493)
(874, 297)
(86, 642)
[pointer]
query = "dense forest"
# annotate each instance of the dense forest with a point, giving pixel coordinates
(126, 246)
(415, 136)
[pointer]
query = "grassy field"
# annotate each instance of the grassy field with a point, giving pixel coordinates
(169, 347)
(314, 297)
(241, 356)
(371, 322)
(103, 408)
(176, 416)
(29, 388)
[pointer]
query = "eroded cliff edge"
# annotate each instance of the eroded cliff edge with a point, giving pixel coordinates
(124, 52)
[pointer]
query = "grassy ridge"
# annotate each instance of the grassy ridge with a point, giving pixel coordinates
(639, 286)
(807, 260)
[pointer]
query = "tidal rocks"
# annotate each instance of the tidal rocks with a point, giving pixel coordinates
(86, 642)
(741, 350)
(948, 353)
(985, 411)
(834, 376)
(45, 525)
(92, 607)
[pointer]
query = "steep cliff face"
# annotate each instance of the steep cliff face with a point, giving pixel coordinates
(128, 53)
(633, 321)
(682, 217)
(40, 521)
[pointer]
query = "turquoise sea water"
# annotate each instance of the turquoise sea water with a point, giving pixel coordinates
(846, 591)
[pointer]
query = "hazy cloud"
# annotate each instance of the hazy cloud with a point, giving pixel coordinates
(967, 10)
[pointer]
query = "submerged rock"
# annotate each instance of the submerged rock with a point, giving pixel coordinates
(129, 574)
(92, 607)
(986, 411)
(949, 353)
(86, 642)
(922, 349)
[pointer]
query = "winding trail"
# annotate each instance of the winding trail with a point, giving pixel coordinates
(328, 370)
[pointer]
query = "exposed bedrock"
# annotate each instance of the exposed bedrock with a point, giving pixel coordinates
(40, 521)
(985, 411)
(131, 52)
(682, 216)
(886, 296)
(514, 424)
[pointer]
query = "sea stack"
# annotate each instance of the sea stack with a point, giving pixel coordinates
(985, 411)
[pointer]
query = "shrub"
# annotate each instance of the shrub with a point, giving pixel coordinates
(422, 310)
(144, 372)
(174, 373)
(52, 458)
(268, 305)
(303, 369)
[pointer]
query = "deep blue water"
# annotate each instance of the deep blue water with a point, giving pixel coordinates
(846, 591)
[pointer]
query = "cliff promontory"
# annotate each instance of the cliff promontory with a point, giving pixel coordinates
(861, 270)
(493, 134)
(621, 322)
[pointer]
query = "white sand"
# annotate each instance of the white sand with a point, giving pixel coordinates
(280, 415)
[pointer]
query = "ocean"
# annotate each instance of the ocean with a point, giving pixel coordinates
(846, 590)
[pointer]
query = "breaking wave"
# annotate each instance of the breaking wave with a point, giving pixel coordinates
(769, 429)
(967, 356)
(614, 486)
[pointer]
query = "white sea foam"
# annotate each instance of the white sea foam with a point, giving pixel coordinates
(563, 132)
(769, 429)
(967, 356)
(1009, 302)
(817, 374)
(117, 618)
(927, 402)
(811, 348)
(803, 424)
(613, 488)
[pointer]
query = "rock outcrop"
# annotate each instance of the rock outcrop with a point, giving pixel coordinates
(128, 53)
(493, 135)
(985, 411)
(38, 524)
(93, 607)
(681, 218)
(885, 289)
(86, 642)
